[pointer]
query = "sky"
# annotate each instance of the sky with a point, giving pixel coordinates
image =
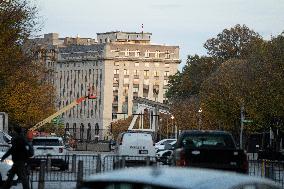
(185, 23)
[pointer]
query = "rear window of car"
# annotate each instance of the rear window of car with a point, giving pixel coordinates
(207, 141)
(167, 142)
(47, 142)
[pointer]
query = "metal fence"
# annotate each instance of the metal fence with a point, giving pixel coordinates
(92, 164)
(112, 162)
(273, 170)
(63, 168)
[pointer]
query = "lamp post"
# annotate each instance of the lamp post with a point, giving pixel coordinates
(200, 118)
(172, 117)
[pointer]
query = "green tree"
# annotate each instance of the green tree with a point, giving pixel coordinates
(24, 94)
(255, 83)
(231, 43)
(187, 83)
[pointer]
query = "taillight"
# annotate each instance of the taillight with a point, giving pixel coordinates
(60, 150)
(180, 157)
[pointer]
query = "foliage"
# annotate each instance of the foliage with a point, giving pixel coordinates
(231, 43)
(120, 126)
(187, 84)
(242, 70)
(24, 94)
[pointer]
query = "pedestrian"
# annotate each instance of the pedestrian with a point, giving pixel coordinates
(19, 157)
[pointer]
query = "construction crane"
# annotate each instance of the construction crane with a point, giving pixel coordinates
(64, 109)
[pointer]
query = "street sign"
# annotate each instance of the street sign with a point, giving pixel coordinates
(57, 120)
(247, 121)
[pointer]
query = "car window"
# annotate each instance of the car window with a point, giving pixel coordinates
(207, 141)
(47, 142)
(166, 142)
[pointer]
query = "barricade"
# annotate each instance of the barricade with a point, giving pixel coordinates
(52, 173)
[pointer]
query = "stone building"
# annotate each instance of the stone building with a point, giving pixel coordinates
(118, 67)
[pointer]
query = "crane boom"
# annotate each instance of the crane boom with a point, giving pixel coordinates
(59, 112)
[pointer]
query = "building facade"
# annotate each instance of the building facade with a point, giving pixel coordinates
(117, 67)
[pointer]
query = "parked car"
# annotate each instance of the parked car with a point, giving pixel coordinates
(136, 146)
(159, 146)
(52, 147)
(174, 178)
(165, 156)
(210, 149)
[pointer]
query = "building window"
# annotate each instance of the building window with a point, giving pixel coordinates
(115, 89)
(157, 54)
(136, 64)
(125, 90)
(136, 72)
(116, 71)
(167, 55)
(145, 90)
(147, 53)
(135, 90)
(116, 80)
(137, 53)
(156, 73)
(127, 52)
(126, 72)
(167, 65)
(116, 63)
(166, 73)
(146, 73)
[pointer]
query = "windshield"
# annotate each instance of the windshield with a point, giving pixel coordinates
(47, 142)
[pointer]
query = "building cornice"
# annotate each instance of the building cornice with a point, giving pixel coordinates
(121, 59)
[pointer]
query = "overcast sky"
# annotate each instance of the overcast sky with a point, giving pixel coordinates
(186, 23)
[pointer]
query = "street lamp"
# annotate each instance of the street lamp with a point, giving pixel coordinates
(172, 117)
(200, 118)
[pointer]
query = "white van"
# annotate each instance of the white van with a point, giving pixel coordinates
(136, 145)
